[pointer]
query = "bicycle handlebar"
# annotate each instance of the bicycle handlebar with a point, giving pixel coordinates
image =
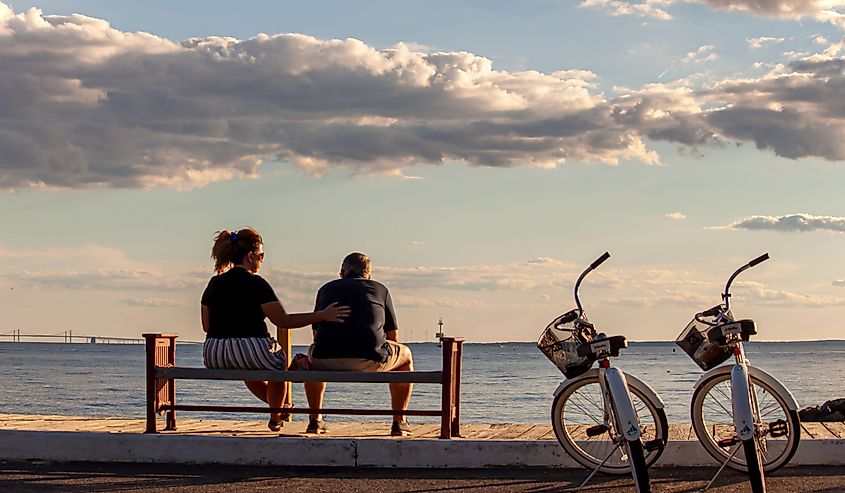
(726, 295)
(759, 259)
(600, 260)
(592, 266)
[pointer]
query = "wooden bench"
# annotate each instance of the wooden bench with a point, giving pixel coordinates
(162, 374)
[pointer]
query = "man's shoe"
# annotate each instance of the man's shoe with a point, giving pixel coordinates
(316, 427)
(400, 429)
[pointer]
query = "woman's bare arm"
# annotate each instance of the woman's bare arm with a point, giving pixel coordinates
(283, 320)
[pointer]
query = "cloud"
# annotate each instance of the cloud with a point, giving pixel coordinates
(88, 105)
(676, 216)
(761, 294)
(821, 10)
(648, 8)
(755, 43)
(839, 282)
(794, 110)
(791, 223)
(111, 279)
(702, 54)
(150, 302)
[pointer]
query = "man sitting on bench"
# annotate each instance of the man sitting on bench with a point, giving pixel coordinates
(366, 341)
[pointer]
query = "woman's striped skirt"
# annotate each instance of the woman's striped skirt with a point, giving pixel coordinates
(251, 353)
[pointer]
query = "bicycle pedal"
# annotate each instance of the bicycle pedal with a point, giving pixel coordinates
(778, 428)
(728, 442)
(652, 445)
(597, 430)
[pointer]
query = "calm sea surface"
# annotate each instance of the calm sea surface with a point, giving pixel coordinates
(502, 383)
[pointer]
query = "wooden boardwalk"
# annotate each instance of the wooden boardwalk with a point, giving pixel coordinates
(337, 429)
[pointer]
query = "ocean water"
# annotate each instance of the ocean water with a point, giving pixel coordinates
(501, 383)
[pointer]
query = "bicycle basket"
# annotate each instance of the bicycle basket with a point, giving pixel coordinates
(693, 340)
(561, 347)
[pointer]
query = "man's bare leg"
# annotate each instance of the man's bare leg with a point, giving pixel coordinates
(400, 393)
(314, 393)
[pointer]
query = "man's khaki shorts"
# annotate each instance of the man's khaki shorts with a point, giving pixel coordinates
(399, 355)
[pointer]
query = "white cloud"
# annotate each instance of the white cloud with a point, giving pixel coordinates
(88, 105)
(791, 223)
(756, 43)
(116, 109)
(702, 54)
(151, 302)
(676, 216)
(839, 282)
(648, 8)
(820, 10)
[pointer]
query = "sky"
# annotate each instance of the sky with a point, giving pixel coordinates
(482, 153)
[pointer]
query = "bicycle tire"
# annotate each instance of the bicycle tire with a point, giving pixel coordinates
(589, 452)
(755, 469)
(639, 469)
(712, 420)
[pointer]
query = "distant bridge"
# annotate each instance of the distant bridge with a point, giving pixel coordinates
(68, 337)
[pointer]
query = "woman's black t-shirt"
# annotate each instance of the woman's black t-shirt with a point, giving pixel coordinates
(234, 301)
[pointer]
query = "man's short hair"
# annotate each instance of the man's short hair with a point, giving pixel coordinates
(355, 265)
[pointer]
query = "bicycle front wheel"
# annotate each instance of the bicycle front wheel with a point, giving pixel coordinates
(579, 408)
(777, 427)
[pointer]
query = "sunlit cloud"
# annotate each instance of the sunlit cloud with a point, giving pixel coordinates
(756, 43)
(820, 10)
(702, 54)
(109, 108)
(117, 109)
(791, 223)
(675, 216)
(151, 302)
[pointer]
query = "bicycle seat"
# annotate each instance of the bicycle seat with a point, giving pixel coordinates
(745, 328)
(604, 346)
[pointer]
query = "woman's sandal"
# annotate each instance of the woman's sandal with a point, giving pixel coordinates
(277, 425)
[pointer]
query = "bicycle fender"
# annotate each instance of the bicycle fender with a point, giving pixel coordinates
(628, 423)
(769, 380)
(740, 398)
(633, 381)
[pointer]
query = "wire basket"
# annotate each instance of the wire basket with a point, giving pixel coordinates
(693, 340)
(561, 347)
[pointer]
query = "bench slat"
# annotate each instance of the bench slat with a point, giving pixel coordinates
(264, 410)
(301, 376)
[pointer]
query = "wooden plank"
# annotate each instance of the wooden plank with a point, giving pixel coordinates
(679, 432)
(491, 431)
(178, 372)
(837, 428)
(817, 430)
(535, 432)
(809, 429)
(512, 432)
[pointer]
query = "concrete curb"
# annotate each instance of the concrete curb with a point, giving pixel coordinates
(344, 452)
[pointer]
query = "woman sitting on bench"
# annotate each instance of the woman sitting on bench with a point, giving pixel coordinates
(234, 306)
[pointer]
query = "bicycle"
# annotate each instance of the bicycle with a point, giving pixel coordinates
(605, 419)
(758, 430)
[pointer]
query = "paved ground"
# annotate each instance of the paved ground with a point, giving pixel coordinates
(36, 476)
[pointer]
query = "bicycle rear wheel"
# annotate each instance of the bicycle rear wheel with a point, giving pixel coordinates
(778, 428)
(580, 407)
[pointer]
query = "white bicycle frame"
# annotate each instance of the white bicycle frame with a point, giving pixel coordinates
(743, 400)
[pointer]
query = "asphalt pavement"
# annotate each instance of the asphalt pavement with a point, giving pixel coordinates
(40, 476)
